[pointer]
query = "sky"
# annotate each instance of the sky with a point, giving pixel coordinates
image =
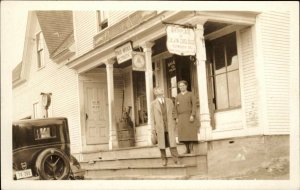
(14, 19)
(13, 27)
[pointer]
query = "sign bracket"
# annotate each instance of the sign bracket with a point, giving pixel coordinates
(182, 25)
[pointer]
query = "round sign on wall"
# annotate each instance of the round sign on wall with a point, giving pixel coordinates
(138, 61)
(46, 100)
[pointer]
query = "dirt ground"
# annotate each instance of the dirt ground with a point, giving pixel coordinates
(276, 169)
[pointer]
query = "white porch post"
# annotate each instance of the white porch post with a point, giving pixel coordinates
(205, 129)
(113, 141)
(149, 83)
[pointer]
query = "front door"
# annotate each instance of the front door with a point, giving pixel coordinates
(177, 68)
(96, 112)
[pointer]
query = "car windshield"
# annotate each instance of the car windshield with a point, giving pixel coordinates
(33, 133)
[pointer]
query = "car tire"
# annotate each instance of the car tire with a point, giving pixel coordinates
(53, 164)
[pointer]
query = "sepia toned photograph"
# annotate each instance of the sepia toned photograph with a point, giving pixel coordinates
(148, 97)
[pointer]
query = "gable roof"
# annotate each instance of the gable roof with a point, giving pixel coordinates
(16, 75)
(57, 27)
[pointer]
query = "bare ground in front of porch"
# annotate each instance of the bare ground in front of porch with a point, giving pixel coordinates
(276, 169)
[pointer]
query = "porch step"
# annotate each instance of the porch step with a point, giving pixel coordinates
(143, 163)
(134, 162)
(146, 168)
(146, 172)
(138, 177)
(136, 152)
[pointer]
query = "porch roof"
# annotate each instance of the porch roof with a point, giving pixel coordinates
(154, 29)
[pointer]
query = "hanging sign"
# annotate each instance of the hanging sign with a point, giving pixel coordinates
(138, 61)
(181, 41)
(123, 53)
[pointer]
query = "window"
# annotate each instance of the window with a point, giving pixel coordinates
(45, 132)
(141, 116)
(223, 71)
(102, 19)
(40, 50)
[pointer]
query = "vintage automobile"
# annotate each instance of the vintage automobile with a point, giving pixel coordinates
(41, 150)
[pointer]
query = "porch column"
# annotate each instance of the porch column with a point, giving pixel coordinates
(149, 83)
(205, 129)
(113, 141)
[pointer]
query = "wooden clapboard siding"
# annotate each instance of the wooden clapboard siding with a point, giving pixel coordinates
(85, 28)
(116, 16)
(275, 30)
(55, 78)
(249, 78)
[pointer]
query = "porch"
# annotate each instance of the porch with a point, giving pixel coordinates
(258, 157)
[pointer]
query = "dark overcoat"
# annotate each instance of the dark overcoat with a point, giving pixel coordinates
(158, 123)
(185, 106)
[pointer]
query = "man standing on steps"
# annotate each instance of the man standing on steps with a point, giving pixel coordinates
(163, 125)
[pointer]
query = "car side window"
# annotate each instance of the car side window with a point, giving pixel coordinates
(45, 132)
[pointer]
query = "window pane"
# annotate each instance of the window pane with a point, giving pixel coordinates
(221, 91)
(233, 64)
(211, 91)
(41, 58)
(234, 88)
(141, 114)
(219, 59)
(231, 52)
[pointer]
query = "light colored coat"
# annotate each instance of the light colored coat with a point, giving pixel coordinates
(157, 124)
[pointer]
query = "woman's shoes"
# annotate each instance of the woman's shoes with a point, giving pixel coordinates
(164, 161)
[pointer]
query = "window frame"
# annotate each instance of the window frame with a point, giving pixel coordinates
(212, 75)
(40, 50)
(102, 20)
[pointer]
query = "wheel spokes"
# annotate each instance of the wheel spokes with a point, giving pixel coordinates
(55, 169)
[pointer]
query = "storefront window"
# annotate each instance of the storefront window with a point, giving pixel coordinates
(139, 88)
(224, 72)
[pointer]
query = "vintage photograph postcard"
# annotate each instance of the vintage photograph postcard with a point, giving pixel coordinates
(149, 95)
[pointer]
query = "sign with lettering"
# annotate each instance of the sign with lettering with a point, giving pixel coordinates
(181, 41)
(171, 65)
(124, 52)
(95, 105)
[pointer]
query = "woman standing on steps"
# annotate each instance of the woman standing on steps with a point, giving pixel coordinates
(185, 113)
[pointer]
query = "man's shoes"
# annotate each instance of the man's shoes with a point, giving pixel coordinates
(177, 161)
(164, 161)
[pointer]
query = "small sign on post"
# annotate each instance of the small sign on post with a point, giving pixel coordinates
(181, 41)
(123, 53)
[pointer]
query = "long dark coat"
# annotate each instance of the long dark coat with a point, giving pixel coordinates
(185, 106)
(158, 123)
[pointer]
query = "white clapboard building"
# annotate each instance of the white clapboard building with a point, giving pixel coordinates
(101, 67)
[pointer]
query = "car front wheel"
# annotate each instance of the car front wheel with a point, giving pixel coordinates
(53, 164)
